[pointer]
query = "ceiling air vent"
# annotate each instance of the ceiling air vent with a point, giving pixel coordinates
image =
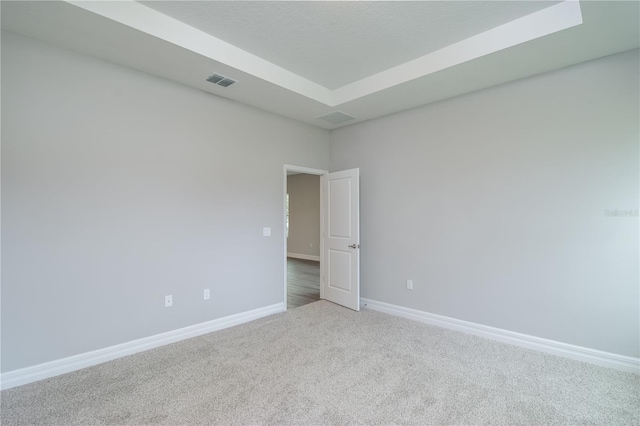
(220, 80)
(336, 117)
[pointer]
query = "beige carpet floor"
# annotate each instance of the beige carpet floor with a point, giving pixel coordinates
(323, 364)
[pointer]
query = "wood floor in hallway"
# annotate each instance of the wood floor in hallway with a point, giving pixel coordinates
(303, 282)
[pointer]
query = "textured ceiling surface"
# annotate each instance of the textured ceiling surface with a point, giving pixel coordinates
(128, 33)
(336, 43)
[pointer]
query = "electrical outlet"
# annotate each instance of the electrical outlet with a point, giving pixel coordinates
(409, 284)
(207, 294)
(168, 301)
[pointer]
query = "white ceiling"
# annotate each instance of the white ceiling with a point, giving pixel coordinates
(306, 59)
(336, 43)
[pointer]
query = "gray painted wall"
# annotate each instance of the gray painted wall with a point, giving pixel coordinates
(304, 214)
(494, 204)
(119, 188)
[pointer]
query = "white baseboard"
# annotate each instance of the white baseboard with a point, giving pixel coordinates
(76, 362)
(304, 256)
(593, 356)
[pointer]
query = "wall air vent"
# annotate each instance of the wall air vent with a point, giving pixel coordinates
(220, 80)
(336, 117)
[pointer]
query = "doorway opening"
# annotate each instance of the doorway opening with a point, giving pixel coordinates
(303, 230)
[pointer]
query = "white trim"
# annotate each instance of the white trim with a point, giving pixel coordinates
(149, 21)
(289, 168)
(76, 362)
(593, 356)
(305, 170)
(561, 16)
(304, 256)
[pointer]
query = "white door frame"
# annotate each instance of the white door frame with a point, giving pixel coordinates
(299, 169)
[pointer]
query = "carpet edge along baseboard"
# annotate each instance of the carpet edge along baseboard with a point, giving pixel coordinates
(593, 356)
(76, 362)
(57, 367)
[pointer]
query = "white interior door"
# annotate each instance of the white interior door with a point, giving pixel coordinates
(341, 238)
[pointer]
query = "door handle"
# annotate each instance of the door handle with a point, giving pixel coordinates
(354, 246)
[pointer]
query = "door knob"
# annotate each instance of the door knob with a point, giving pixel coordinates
(354, 246)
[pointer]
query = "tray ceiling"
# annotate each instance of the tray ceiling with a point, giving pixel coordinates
(305, 60)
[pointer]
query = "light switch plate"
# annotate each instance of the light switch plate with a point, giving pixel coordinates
(266, 232)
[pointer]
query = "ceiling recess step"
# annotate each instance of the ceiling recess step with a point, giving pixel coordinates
(336, 117)
(220, 80)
